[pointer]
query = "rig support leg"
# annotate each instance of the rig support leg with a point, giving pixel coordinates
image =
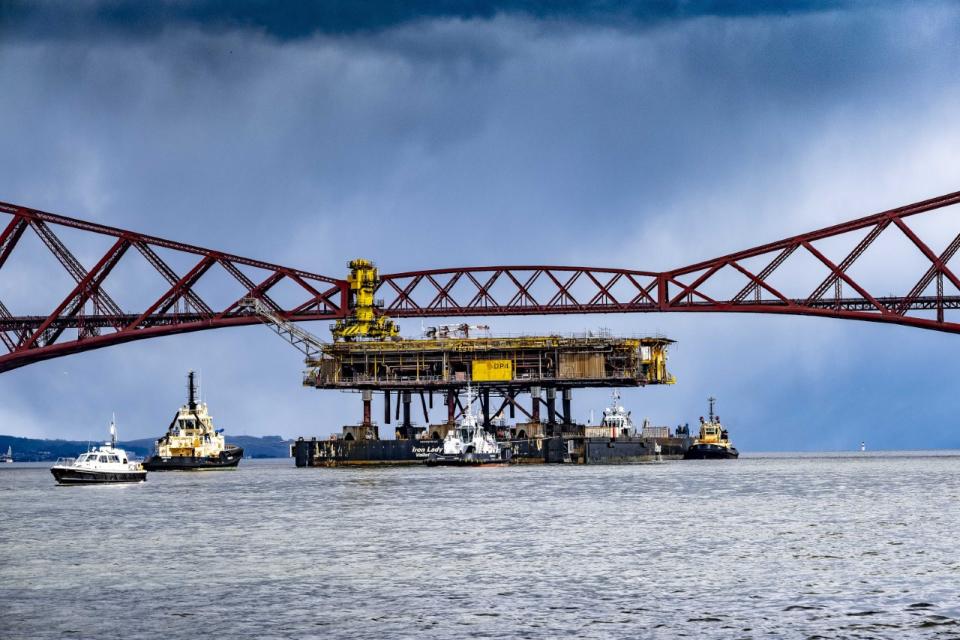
(367, 395)
(423, 403)
(535, 404)
(551, 406)
(386, 407)
(406, 410)
(567, 397)
(485, 400)
(451, 406)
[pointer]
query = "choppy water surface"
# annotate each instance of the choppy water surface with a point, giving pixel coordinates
(785, 546)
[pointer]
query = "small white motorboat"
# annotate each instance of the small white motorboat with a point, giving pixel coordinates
(105, 464)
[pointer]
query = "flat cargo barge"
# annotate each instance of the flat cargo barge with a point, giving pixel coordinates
(566, 448)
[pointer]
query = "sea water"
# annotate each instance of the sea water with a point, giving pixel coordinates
(791, 546)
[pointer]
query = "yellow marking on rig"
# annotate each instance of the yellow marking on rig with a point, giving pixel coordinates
(491, 370)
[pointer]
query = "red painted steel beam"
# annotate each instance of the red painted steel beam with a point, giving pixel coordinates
(941, 267)
(23, 358)
(83, 291)
(171, 277)
(177, 290)
(472, 291)
(75, 223)
(837, 229)
(37, 336)
(103, 302)
(11, 235)
(767, 271)
(931, 273)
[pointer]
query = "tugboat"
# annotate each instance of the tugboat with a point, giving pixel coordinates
(104, 465)
(616, 422)
(469, 443)
(615, 440)
(714, 441)
(191, 442)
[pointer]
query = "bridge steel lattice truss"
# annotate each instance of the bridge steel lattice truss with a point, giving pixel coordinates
(88, 318)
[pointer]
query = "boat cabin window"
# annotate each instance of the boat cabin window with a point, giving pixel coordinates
(103, 458)
(114, 459)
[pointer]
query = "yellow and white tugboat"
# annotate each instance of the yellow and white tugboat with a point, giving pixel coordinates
(191, 442)
(714, 441)
(103, 465)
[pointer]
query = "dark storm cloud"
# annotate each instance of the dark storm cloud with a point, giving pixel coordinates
(292, 20)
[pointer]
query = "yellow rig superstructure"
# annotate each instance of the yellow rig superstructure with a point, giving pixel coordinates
(434, 363)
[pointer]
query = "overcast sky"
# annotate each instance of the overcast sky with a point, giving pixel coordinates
(646, 135)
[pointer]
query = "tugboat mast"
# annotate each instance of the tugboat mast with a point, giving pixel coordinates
(191, 391)
(711, 399)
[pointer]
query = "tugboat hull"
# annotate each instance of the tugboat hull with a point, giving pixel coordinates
(468, 459)
(228, 459)
(64, 475)
(711, 452)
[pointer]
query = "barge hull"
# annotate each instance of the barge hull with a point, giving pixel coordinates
(336, 453)
(552, 450)
(616, 451)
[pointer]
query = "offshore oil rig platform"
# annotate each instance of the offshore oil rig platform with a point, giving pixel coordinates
(368, 356)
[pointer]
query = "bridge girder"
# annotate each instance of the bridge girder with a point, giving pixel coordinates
(474, 291)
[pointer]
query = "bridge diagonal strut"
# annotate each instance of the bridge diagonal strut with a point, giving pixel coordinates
(101, 300)
(171, 277)
(927, 278)
(845, 264)
(766, 272)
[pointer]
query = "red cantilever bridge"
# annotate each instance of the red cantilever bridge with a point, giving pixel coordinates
(87, 317)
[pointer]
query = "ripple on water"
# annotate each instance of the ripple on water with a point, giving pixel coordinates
(756, 547)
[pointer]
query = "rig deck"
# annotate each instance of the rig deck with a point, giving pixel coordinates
(515, 362)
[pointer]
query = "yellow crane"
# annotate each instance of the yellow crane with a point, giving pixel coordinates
(364, 322)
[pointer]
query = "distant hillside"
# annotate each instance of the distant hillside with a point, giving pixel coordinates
(41, 450)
